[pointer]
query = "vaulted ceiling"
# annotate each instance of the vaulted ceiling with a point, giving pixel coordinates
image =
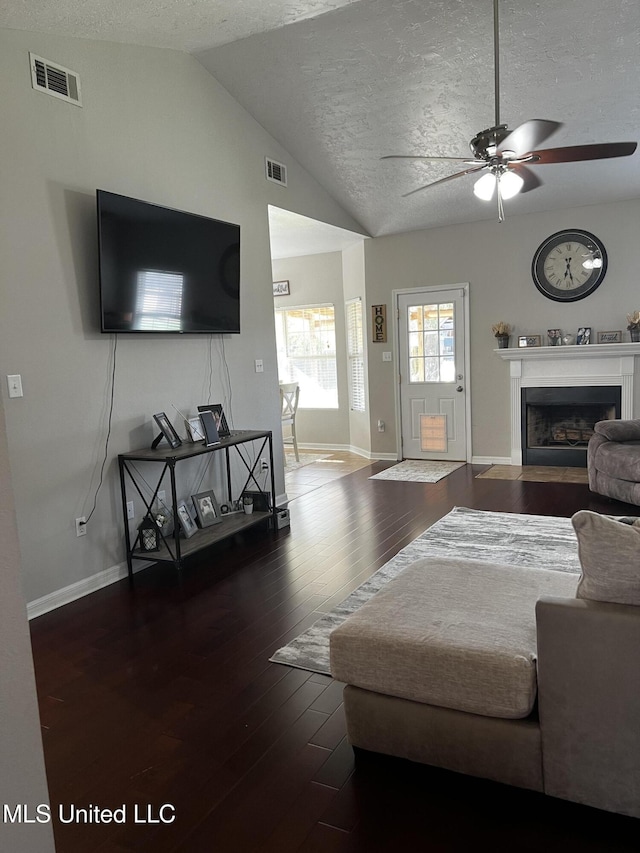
(340, 83)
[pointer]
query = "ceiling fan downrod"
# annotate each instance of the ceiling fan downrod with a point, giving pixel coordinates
(496, 61)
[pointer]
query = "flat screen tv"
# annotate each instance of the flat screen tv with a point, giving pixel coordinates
(165, 271)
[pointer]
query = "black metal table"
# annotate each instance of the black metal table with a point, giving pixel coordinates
(173, 549)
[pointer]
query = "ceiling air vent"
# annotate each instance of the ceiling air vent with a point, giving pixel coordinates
(276, 172)
(55, 80)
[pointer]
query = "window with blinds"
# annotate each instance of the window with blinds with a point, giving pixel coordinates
(159, 300)
(355, 354)
(306, 344)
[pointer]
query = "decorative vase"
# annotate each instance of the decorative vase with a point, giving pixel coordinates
(568, 340)
(503, 341)
(635, 334)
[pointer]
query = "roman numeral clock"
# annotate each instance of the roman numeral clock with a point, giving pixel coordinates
(569, 265)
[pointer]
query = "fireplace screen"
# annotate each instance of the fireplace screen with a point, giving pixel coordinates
(564, 426)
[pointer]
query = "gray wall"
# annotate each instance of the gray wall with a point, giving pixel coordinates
(155, 125)
(22, 780)
(495, 258)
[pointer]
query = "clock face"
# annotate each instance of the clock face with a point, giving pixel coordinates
(569, 265)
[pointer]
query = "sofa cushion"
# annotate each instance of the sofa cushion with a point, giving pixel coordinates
(620, 461)
(610, 558)
(454, 633)
(619, 430)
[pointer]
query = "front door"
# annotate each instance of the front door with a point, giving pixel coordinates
(431, 344)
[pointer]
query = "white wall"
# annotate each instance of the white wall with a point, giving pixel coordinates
(156, 126)
(23, 779)
(495, 258)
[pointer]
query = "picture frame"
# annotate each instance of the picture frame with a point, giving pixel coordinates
(529, 341)
(207, 509)
(211, 436)
(166, 431)
(194, 428)
(218, 414)
(583, 336)
(281, 288)
(555, 337)
(187, 524)
(610, 337)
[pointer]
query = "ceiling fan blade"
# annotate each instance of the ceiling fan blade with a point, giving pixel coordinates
(576, 153)
(531, 180)
(425, 157)
(528, 135)
(448, 178)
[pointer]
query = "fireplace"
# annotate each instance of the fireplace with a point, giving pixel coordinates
(557, 422)
(566, 369)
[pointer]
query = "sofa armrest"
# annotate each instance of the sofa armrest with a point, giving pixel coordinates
(589, 702)
(616, 430)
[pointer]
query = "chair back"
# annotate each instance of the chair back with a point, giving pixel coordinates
(289, 395)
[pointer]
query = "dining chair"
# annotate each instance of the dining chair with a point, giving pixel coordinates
(289, 395)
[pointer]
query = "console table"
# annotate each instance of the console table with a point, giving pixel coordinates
(173, 548)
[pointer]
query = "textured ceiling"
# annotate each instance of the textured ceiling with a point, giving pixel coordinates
(340, 84)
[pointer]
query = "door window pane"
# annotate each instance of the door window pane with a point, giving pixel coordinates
(431, 335)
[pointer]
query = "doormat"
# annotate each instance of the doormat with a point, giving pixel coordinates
(418, 471)
(530, 541)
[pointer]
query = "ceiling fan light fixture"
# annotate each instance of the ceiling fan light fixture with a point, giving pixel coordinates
(485, 186)
(510, 184)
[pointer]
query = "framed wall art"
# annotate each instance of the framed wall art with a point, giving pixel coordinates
(529, 341)
(281, 288)
(610, 337)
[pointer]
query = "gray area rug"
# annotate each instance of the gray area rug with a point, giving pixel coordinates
(533, 541)
(418, 471)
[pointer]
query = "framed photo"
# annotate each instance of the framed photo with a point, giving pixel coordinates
(555, 337)
(187, 524)
(194, 428)
(610, 337)
(281, 288)
(167, 431)
(529, 341)
(218, 414)
(211, 436)
(584, 336)
(207, 509)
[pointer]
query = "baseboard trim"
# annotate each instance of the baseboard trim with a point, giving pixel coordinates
(77, 590)
(350, 448)
(491, 460)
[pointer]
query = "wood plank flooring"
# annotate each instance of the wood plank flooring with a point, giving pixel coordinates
(163, 694)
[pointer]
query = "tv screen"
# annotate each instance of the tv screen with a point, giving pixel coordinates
(166, 271)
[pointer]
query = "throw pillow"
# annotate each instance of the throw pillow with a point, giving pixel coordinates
(609, 554)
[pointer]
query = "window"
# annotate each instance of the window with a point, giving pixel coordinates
(306, 344)
(431, 331)
(158, 300)
(355, 354)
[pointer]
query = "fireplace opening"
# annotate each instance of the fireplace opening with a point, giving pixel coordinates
(557, 423)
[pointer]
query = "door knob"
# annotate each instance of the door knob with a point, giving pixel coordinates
(459, 388)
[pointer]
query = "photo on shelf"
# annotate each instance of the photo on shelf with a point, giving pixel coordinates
(584, 336)
(194, 429)
(218, 414)
(166, 431)
(207, 509)
(187, 524)
(211, 435)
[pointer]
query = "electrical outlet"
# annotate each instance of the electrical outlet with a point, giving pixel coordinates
(81, 526)
(130, 510)
(162, 498)
(259, 365)
(264, 465)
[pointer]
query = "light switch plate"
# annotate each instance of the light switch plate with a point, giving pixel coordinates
(14, 382)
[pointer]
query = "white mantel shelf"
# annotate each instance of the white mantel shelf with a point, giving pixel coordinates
(585, 351)
(572, 366)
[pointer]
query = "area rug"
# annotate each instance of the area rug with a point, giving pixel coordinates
(304, 459)
(532, 541)
(535, 474)
(418, 471)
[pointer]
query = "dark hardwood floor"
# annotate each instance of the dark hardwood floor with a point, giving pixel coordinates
(163, 694)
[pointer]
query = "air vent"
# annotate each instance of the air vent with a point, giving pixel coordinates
(55, 80)
(276, 172)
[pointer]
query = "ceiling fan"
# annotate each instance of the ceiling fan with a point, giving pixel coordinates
(502, 153)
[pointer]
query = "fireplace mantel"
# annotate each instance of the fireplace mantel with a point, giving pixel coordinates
(571, 366)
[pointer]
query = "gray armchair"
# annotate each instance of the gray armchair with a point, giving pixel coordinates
(613, 460)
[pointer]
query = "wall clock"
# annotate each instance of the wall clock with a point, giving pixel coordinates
(569, 265)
